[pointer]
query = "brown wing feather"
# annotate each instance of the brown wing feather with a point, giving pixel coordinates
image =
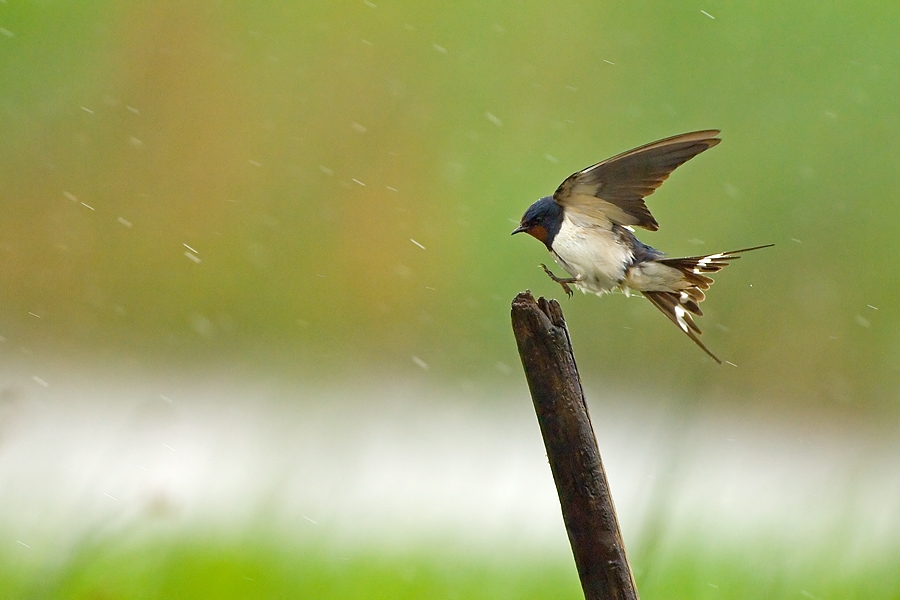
(615, 189)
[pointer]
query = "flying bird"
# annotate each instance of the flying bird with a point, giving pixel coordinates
(587, 225)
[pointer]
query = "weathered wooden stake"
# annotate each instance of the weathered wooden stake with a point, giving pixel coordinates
(587, 506)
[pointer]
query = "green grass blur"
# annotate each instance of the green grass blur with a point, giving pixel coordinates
(298, 148)
(187, 569)
(249, 568)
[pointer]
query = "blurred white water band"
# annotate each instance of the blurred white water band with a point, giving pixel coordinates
(389, 465)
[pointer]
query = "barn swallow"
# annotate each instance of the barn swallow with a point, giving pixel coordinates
(587, 225)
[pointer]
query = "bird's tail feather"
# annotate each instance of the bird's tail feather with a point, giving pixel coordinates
(679, 306)
(670, 304)
(710, 263)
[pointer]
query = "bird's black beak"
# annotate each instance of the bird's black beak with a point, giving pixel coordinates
(519, 229)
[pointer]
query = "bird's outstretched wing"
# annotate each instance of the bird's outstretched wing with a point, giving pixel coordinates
(614, 190)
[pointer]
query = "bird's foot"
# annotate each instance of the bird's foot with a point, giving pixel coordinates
(564, 282)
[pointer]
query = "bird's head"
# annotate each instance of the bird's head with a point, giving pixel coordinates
(541, 220)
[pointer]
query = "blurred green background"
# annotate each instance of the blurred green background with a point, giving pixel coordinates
(320, 194)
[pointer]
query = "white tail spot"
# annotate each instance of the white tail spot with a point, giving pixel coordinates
(704, 262)
(679, 316)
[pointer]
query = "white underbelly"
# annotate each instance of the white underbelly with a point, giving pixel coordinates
(593, 254)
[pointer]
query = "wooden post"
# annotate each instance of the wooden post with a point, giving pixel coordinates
(587, 506)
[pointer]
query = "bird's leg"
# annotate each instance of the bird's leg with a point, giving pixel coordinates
(564, 282)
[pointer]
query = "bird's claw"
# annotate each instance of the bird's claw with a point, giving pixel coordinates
(563, 282)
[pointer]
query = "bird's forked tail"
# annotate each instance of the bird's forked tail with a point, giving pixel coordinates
(679, 306)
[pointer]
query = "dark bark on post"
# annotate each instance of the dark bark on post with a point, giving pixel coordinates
(584, 497)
